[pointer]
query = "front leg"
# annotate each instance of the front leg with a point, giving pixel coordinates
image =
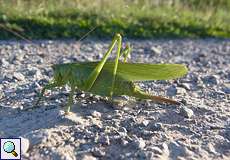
(41, 95)
(70, 100)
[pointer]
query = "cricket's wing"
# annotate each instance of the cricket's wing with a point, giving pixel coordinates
(143, 71)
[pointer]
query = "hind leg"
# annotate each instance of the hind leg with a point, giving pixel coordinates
(41, 95)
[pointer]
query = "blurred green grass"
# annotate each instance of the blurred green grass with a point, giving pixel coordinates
(50, 19)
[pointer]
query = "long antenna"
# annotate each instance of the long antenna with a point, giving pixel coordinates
(29, 41)
(15, 33)
(85, 35)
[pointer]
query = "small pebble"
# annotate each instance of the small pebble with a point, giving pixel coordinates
(213, 79)
(186, 112)
(1, 94)
(139, 143)
(211, 148)
(171, 91)
(156, 50)
(3, 62)
(155, 126)
(97, 152)
(145, 122)
(124, 142)
(72, 139)
(104, 140)
(96, 114)
(82, 95)
(123, 130)
(88, 157)
(19, 56)
(226, 88)
(165, 149)
(18, 76)
(156, 150)
(25, 143)
(185, 86)
(180, 90)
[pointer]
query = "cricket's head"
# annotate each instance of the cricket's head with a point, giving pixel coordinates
(62, 73)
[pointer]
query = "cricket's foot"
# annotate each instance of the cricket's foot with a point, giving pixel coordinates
(35, 104)
(67, 109)
(67, 113)
(119, 101)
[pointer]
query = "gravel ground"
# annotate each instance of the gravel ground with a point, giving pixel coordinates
(97, 129)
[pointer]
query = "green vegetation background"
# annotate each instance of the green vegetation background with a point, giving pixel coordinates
(49, 19)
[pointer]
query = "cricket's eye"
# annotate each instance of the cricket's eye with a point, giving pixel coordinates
(57, 76)
(60, 77)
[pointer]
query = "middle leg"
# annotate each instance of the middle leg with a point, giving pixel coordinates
(126, 52)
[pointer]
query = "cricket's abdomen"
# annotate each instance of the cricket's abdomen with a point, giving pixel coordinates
(103, 85)
(76, 75)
